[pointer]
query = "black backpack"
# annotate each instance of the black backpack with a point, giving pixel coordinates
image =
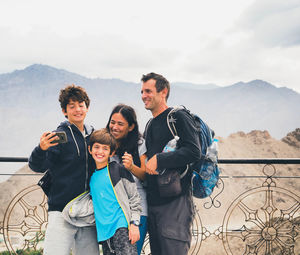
(205, 171)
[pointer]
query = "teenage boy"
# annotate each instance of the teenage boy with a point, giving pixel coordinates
(70, 166)
(115, 198)
(169, 218)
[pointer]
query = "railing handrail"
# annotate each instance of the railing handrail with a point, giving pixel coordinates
(13, 159)
(220, 160)
(259, 161)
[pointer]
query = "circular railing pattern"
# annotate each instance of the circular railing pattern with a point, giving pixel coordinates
(25, 220)
(262, 220)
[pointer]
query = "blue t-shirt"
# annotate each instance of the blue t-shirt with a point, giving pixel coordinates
(108, 212)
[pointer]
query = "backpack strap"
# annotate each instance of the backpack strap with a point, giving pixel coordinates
(171, 120)
(146, 128)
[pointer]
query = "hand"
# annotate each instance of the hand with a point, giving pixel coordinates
(134, 233)
(46, 139)
(127, 161)
(151, 166)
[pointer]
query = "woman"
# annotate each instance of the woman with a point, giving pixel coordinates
(131, 152)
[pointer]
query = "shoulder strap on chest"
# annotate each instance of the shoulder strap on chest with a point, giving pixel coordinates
(171, 120)
(146, 128)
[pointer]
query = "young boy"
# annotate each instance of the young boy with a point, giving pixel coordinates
(115, 198)
(70, 167)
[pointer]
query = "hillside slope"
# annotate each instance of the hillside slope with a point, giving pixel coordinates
(256, 144)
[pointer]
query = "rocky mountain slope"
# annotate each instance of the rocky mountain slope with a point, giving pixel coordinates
(256, 144)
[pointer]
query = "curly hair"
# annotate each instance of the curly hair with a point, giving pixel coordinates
(75, 93)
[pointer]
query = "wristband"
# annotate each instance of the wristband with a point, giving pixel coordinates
(135, 222)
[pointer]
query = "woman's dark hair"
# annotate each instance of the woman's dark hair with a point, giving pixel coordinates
(131, 141)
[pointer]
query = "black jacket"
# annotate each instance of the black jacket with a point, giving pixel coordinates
(157, 136)
(69, 164)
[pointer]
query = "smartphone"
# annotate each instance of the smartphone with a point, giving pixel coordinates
(62, 137)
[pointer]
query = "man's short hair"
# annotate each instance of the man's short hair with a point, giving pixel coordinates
(103, 136)
(160, 84)
(75, 93)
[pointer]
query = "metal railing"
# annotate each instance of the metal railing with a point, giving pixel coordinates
(220, 161)
(253, 213)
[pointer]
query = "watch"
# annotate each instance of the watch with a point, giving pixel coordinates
(135, 222)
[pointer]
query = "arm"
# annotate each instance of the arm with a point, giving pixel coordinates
(134, 203)
(132, 194)
(134, 233)
(139, 172)
(189, 147)
(151, 166)
(39, 158)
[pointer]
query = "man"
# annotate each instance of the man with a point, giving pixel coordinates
(70, 168)
(169, 218)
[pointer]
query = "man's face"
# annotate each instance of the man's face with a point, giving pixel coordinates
(151, 98)
(76, 111)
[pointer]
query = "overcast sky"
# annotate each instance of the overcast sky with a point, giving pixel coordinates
(215, 41)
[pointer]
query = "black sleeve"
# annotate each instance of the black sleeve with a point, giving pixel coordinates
(189, 148)
(40, 161)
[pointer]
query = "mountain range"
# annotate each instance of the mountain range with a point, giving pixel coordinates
(29, 105)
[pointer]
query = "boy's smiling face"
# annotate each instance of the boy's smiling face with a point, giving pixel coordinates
(76, 112)
(100, 153)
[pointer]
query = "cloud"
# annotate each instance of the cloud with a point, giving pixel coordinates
(194, 42)
(263, 43)
(245, 59)
(273, 22)
(106, 56)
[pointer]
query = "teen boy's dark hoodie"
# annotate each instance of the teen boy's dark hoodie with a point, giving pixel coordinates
(70, 165)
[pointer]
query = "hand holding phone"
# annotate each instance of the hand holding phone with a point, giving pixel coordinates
(49, 139)
(62, 137)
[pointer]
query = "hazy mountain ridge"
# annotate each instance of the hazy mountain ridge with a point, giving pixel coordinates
(34, 74)
(29, 105)
(189, 85)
